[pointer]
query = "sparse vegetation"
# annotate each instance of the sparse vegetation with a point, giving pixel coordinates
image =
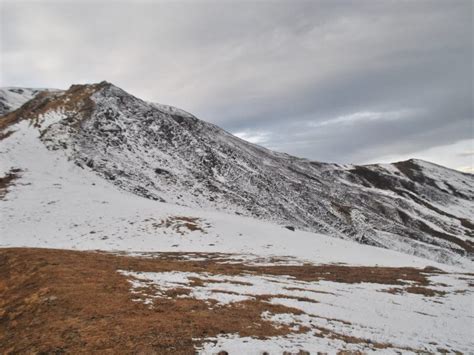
(8, 180)
(78, 302)
(182, 224)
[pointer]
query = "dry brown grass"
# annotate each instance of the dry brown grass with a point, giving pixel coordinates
(418, 290)
(76, 100)
(76, 302)
(425, 291)
(181, 224)
(56, 301)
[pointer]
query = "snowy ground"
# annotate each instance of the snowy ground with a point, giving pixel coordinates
(56, 204)
(366, 311)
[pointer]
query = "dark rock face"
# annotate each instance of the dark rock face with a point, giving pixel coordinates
(166, 154)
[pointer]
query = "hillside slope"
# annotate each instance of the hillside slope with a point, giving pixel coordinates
(49, 202)
(166, 154)
(87, 267)
(12, 98)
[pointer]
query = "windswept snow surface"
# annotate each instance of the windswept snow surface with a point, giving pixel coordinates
(365, 311)
(60, 205)
(166, 154)
(57, 204)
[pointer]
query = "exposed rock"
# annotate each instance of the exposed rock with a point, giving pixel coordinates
(166, 154)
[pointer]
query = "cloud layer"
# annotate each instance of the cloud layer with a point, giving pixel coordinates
(339, 81)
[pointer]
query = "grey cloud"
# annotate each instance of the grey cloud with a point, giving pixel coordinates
(466, 154)
(266, 69)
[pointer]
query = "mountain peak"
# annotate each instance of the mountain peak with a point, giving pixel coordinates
(166, 154)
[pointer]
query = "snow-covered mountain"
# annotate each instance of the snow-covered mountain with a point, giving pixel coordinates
(95, 267)
(12, 97)
(167, 154)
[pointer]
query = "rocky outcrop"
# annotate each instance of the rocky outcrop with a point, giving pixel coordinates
(167, 154)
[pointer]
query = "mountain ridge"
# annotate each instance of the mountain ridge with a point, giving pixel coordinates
(167, 154)
(174, 109)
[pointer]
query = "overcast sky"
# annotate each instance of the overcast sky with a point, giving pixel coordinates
(340, 81)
